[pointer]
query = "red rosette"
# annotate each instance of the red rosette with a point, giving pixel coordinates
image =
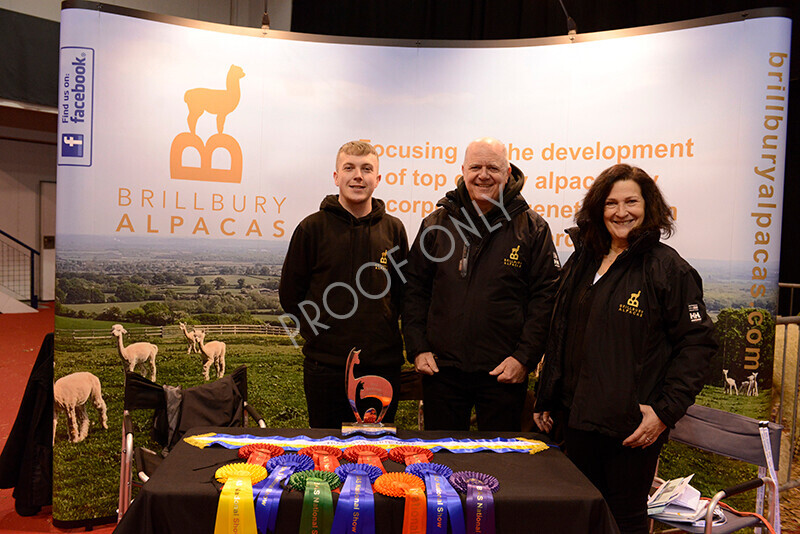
(353, 453)
(259, 453)
(325, 458)
(398, 484)
(410, 454)
(367, 454)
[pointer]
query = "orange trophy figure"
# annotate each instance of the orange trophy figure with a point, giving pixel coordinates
(368, 386)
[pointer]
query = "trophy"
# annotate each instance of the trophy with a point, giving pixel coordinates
(363, 387)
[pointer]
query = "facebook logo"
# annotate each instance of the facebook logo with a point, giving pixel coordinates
(72, 145)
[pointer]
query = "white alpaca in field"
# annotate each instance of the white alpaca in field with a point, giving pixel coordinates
(136, 353)
(191, 339)
(752, 385)
(213, 352)
(730, 384)
(70, 394)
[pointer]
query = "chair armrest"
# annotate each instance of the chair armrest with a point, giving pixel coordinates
(252, 412)
(735, 490)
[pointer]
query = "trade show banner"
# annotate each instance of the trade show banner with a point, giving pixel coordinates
(188, 152)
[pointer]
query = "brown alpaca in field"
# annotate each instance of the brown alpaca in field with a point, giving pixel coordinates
(218, 102)
(213, 353)
(70, 394)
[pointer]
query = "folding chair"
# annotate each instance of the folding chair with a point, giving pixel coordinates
(741, 438)
(219, 403)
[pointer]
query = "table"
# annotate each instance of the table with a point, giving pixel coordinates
(541, 493)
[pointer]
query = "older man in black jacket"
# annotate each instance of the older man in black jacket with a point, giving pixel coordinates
(482, 274)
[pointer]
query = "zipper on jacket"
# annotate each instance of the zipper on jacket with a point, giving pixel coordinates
(463, 264)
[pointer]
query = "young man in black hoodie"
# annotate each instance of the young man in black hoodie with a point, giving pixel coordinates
(482, 274)
(342, 284)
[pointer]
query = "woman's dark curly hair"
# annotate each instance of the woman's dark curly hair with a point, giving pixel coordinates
(657, 214)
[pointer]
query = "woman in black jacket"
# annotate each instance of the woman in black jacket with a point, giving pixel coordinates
(629, 344)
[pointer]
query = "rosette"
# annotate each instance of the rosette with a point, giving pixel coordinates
(371, 471)
(412, 488)
(410, 454)
(235, 508)
(460, 480)
(421, 470)
(259, 453)
(367, 454)
(325, 458)
(298, 480)
(317, 514)
(270, 491)
(355, 511)
(297, 461)
(480, 502)
(444, 504)
(256, 473)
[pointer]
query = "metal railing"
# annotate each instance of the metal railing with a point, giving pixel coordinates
(18, 268)
(790, 380)
(175, 331)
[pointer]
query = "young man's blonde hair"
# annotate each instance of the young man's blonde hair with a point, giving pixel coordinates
(356, 148)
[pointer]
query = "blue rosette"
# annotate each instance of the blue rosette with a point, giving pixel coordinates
(444, 504)
(420, 470)
(370, 470)
(270, 490)
(300, 462)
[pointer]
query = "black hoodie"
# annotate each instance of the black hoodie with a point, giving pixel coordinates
(475, 301)
(327, 250)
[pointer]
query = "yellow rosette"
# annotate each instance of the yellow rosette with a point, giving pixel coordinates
(235, 511)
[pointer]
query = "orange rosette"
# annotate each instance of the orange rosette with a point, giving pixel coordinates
(398, 484)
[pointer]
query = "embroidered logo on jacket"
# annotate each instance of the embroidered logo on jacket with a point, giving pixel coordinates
(632, 306)
(694, 313)
(383, 261)
(513, 258)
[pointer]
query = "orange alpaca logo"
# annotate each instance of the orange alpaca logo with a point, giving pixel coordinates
(219, 102)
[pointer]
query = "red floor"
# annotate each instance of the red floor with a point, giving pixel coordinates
(21, 336)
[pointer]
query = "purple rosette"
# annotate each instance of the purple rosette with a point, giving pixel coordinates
(300, 462)
(371, 471)
(422, 469)
(461, 479)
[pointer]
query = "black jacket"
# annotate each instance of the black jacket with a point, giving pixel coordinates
(326, 251)
(490, 296)
(648, 340)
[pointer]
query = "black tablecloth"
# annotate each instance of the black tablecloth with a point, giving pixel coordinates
(542, 493)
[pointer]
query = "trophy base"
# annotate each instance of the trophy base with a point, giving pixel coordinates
(368, 429)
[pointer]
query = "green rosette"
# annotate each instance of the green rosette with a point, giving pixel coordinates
(298, 480)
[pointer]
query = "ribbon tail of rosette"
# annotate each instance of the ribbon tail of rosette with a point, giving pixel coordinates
(436, 504)
(317, 514)
(235, 509)
(480, 510)
(369, 458)
(355, 511)
(414, 516)
(325, 462)
(454, 510)
(269, 498)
